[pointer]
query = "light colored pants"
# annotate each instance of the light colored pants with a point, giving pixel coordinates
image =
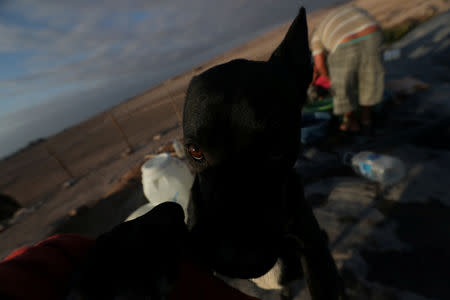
(357, 73)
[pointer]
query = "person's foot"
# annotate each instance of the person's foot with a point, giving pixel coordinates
(350, 124)
(349, 127)
(367, 126)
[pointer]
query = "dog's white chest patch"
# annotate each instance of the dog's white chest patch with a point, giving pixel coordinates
(269, 281)
(265, 287)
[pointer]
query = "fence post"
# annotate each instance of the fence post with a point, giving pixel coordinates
(122, 133)
(172, 101)
(60, 162)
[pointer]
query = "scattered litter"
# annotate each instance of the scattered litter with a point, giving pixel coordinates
(381, 168)
(392, 54)
(406, 86)
(127, 152)
(178, 148)
(19, 215)
(70, 183)
(173, 148)
(157, 137)
(77, 211)
(153, 155)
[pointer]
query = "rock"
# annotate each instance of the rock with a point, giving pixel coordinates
(18, 215)
(8, 206)
(127, 152)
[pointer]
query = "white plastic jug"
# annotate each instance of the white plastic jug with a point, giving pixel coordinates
(140, 211)
(166, 178)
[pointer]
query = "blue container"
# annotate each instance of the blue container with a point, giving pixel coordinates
(314, 126)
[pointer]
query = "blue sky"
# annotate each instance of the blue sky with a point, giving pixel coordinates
(64, 61)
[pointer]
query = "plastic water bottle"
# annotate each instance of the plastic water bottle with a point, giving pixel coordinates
(381, 168)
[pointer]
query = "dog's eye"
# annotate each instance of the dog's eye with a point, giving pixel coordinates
(196, 152)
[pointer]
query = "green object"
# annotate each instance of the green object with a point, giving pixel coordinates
(357, 39)
(321, 105)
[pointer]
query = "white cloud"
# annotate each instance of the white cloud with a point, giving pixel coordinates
(122, 46)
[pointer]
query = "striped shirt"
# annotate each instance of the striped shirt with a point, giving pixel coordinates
(337, 26)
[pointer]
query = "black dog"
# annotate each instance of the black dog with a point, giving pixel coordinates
(247, 209)
(241, 128)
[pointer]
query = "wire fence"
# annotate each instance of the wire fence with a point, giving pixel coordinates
(128, 129)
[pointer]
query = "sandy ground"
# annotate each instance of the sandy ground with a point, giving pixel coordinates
(92, 150)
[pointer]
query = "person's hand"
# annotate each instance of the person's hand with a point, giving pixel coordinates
(138, 259)
(315, 75)
(320, 65)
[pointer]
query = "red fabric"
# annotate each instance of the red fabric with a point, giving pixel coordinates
(42, 271)
(323, 81)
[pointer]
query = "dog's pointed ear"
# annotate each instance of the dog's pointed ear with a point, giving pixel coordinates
(294, 49)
